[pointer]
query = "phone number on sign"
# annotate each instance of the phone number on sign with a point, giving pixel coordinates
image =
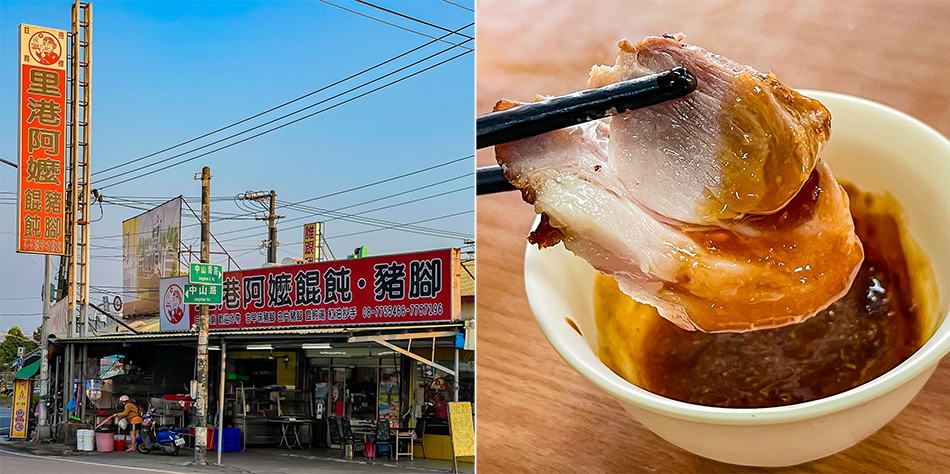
(401, 310)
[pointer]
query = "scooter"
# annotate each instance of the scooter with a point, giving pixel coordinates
(161, 439)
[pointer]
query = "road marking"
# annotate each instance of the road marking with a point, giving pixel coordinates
(89, 463)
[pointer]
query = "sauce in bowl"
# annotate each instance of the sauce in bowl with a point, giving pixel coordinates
(874, 327)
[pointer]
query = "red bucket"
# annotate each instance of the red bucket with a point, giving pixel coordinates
(120, 444)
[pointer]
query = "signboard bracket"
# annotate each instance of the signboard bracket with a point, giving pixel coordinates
(415, 356)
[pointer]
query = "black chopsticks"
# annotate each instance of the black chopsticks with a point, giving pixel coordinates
(578, 107)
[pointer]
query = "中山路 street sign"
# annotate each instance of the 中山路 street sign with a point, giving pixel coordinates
(206, 273)
(202, 294)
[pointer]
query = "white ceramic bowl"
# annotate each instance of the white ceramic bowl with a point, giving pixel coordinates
(872, 146)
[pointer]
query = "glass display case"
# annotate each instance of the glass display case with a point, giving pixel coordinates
(256, 411)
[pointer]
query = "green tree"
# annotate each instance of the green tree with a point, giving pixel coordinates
(38, 334)
(15, 339)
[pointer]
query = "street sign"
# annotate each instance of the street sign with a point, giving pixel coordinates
(206, 273)
(202, 294)
(19, 363)
(20, 351)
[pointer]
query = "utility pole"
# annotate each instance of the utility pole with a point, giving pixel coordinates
(43, 429)
(272, 230)
(259, 197)
(201, 405)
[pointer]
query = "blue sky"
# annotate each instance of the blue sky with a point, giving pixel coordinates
(165, 72)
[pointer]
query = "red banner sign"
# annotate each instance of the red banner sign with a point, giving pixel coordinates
(417, 287)
(42, 141)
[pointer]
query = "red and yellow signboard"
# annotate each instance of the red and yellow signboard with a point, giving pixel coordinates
(311, 239)
(19, 422)
(42, 141)
(389, 289)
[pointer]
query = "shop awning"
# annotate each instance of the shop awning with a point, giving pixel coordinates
(29, 371)
(237, 334)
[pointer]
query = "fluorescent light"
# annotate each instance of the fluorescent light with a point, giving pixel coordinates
(333, 352)
(214, 348)
(321, 345)
(259, 347)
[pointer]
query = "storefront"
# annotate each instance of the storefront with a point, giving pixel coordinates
(367, 357)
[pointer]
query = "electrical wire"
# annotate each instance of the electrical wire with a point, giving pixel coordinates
(352, 76)
(379, 20)
(285, 124)
(409, 18)
(460, 6)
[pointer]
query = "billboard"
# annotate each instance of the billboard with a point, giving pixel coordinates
(58, 317)
(150, 243)
(390, 289)
(41, 185)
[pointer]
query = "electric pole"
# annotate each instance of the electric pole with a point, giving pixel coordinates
(201, 405)
(272, 231)
(259, 197)
(43, 430)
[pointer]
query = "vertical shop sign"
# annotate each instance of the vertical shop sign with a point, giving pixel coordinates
(22, 389)
(41, 189)
(174, 314)
(461, 429)
(311, 237)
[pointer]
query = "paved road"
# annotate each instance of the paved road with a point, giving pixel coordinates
(5, 415)
(20, 462)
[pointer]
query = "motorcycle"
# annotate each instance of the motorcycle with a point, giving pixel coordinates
(162, 439)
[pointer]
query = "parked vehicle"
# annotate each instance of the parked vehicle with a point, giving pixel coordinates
(159, 439)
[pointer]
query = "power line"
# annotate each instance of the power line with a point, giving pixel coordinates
(285, 124)
(279, 106)
(409, 17)
(460, 6)
(347, 217)
(336, 193)
(382, 21)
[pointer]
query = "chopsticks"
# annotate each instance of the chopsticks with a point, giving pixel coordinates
(544, 116)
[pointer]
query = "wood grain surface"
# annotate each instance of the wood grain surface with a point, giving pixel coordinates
(535, 414)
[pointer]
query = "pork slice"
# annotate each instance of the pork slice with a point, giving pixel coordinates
(741, 144)
(765, 259)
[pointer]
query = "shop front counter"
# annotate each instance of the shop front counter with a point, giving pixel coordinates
(264, 415)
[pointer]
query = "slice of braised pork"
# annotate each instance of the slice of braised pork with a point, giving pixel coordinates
(715, 208)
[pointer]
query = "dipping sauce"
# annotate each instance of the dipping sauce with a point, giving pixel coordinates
(877, 325)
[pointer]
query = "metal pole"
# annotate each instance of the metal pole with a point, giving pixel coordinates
(56, 394)
(42, 431)
(224, 357)
(201, 407)
(67, 380)
(81, 397)
(455, 386)
(272, 230)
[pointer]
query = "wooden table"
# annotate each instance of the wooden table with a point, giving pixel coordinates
(535, 414)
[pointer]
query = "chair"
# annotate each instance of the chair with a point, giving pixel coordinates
(384, 439)
(419, 432)
(346, 437)
(333, 433)
(403, 438)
